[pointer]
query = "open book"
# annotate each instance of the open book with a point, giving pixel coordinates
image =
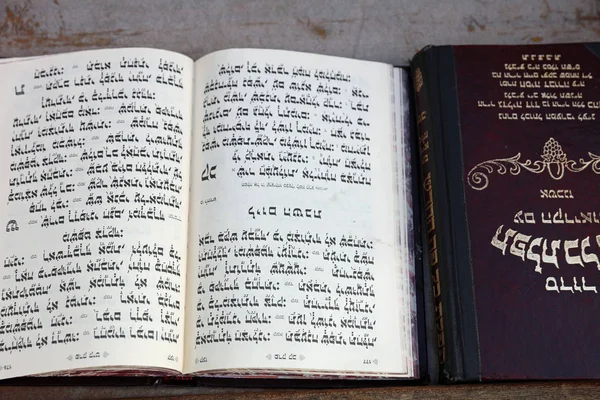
(249, 213)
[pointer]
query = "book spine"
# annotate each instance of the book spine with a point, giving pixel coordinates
(421, 87)
(445, 233)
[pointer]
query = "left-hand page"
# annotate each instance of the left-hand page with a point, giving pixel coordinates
(94, 174)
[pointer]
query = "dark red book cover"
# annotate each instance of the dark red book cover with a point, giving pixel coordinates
(514, 135)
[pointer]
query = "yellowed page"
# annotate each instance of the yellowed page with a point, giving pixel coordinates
(94, 163)
(294, 258)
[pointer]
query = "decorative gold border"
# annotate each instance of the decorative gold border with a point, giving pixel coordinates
(553, 159)
(418, 80)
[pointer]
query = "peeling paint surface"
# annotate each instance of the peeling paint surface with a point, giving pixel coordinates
(387, 30)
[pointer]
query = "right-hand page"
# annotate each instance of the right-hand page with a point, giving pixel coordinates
(294, 262)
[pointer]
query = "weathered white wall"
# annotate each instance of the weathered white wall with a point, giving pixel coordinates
(389, 31)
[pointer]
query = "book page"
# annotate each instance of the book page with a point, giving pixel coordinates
(294, 260)
(94, 171)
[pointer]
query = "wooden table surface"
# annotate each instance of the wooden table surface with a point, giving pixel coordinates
(389, 31)
(549, 391)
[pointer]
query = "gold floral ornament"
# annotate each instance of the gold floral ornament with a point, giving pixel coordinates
(554, 160)
(418, 80)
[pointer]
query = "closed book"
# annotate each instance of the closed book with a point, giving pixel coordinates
(510, 165)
